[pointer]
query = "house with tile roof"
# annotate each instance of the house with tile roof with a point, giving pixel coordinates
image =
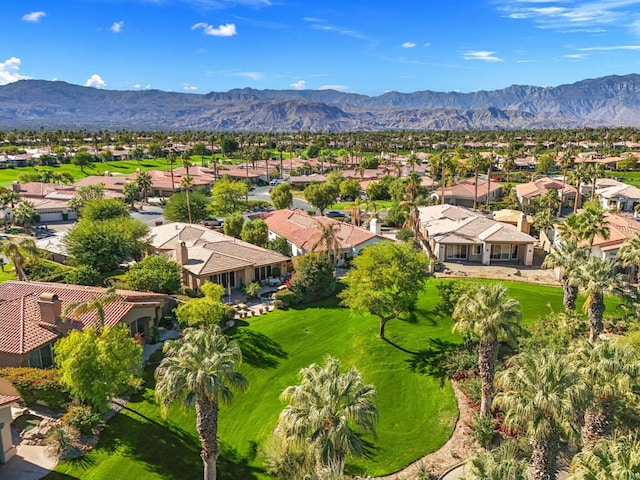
(459, 234)
(210, 256)
(303, 232)
(621, 229)
(622, 197)
(31, 317)
(528, 192)
(462, 192)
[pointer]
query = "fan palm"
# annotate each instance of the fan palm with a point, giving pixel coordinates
(566, 256)
(487, 314)
(610, 370)
(324, 407)
(95, 304)
(608, 459)
(144, 183)
(629, 254)
(476, 163)
(200, 370)
(18, 250)
(578, 176)
(488, 466)
(541, 395)
(597, 277)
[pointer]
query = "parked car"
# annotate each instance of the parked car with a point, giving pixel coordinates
(213, 222)
(276, 181)
(335, 214)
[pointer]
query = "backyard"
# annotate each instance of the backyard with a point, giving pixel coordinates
(416, 403)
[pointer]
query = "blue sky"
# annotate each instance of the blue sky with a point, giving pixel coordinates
(362, 46)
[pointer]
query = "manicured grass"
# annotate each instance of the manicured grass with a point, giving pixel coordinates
(8, 273)
(632, 178)
(8, 175)
(380, 204)
(415, 400)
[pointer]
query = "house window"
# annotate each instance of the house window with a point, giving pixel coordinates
(501, 252)
(456, 252)
(476, 250)
(42, 357)
(137, 326)
(514, 252)
(262, 273)
(224, 279)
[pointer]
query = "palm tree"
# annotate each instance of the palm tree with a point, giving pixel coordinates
(18, 250)
(323, 409)
(486, 313)
(610, 370)
(541, 395)
(95, 304)
(567, 256)
(593, 223)
(597, 277)
(201, 369)
(476, 163)
(143, 181)
(24, 213)
(328, 242)
(498, 465)
(186, 183)
(608, 459)
(596, 171)
(441, 162)
(629, 254)
(578, 176)
(171, 160)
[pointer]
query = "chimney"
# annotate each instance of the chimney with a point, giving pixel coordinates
(15, 186)
(182, 254)
(523, 225)
(375, 227)
(50, 307)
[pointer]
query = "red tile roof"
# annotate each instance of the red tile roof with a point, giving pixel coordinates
(8, 400)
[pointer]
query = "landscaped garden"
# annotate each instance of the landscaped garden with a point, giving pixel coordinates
(415, 400)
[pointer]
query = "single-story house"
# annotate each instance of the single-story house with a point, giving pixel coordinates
(303, 232)
(462, 193)
(209, 256)
(621, 229)
(527, 192)
(31, 317)
(623, 197)
(458, 234)
(7, 448)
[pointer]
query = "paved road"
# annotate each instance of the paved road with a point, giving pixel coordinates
(262, 193)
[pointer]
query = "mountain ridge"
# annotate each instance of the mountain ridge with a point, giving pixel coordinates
(601, 102)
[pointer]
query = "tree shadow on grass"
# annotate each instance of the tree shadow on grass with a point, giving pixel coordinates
(369, 451)
(258, 349)
(431, 359)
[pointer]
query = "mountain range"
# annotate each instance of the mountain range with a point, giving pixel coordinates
(612, 101)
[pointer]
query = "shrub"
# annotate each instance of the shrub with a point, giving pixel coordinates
(472, 389)
(449, 293)
(483, 429)
(285, 298)
(64, 442)
(252, 289)
(83, 419)
(35, 384)
(193, 292)
(461, 363)
(83, 275)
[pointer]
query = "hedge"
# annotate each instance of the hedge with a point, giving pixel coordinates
(37, 384)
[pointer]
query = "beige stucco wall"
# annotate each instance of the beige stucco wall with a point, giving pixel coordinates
(7, 449)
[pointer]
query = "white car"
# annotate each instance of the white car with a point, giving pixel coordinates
(276, 181)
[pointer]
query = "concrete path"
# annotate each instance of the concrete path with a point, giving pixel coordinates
(29, 463)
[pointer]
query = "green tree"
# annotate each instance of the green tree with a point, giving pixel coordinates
(313, 278)
(24, 214)
(597, 277)
(281, 196)
(350, 188)
(579, 176)
(107, 243)
(233, 224)
(629, 254)
(82, 159)
(255, 232)
(608, 459)
(104, 209)
(323, 410)
(131, 193)
(477, 163)
(206, 310)
(320, 196)
(486, 314)
(144, 184)
(228, 196)
(385, 281)
(201, 370)
(280, 245)
(18, 251)
(176, 208)
(111, 355)
(186, 183)
(545, 164)
(86, 193)
(95, 305)
(542, 394)
(154, 273)
(567, 256)
(497, 466)
(610, 370)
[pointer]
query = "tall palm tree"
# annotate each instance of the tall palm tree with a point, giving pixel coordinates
(95, 304)
(596, 171)
(186, 183)
(610, 369)
(18, 250)
(323, 409)
(476, 163)
(171, 160)
(200, 370)
(597, 277)
(567, 256)
(629, 254)
(578, 176)
(441, 162)
(487, 314)
(144, 183)
(541, 395)
(608, 459)
(593, 223)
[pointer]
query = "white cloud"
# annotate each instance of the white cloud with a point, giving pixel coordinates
(319, 24)
(226, 30)
(189, 88)
(33, 17)
(138, 86)
(250, 75)
(481, 55)
(9, 71)
(95, 81)
(408, 45)
(427, 44)
(333, 87)
(228, 3)
(299, 85)
(609, 48)
(117, 27)
(576, 56)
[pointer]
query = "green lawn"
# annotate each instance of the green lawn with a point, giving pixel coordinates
(417, 410)
(632, 178)
(8, 175)
(380, 204)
